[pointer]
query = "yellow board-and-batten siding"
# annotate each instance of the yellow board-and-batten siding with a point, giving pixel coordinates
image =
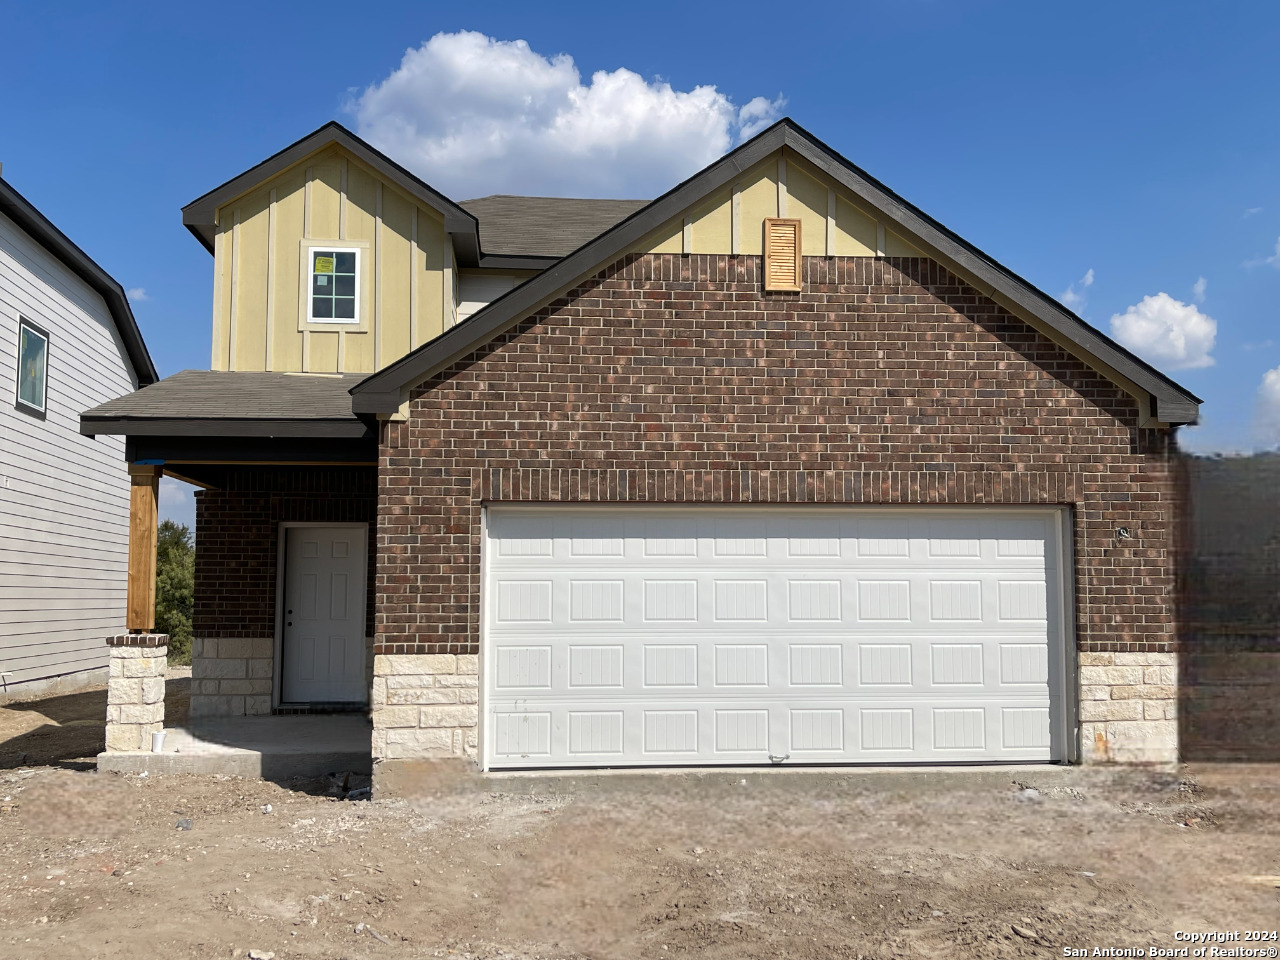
(410, 289)
(260, 288)
(781, 185)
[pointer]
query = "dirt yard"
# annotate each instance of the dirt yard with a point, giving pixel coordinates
(733, 864)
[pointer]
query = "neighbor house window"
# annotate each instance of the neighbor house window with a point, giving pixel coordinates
(33, 366)
(335, 285)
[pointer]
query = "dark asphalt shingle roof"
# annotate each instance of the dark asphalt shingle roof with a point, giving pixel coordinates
(222, 395)
(544, 226)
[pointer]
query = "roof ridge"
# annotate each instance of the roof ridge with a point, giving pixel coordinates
(528, 196)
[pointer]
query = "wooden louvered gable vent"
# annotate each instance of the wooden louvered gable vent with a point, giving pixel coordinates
(781, 254)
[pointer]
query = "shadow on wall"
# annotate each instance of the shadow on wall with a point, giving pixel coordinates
(1230, 614)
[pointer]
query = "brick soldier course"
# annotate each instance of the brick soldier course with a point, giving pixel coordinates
(673, 379)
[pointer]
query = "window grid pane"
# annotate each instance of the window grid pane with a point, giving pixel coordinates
(333, 284)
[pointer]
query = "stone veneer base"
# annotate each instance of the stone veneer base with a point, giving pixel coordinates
(1129, 708)
(135, 689)
(425, 706)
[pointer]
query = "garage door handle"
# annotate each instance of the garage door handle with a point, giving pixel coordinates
(774, 758)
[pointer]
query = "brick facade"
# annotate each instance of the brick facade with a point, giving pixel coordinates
(670, 378)
(237, 550)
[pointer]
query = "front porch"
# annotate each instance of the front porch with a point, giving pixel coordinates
(282, 666)
(270, 748)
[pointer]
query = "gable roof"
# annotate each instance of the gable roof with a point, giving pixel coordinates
(543, 226)
(40, 229)
(382, 392)
(200, 214)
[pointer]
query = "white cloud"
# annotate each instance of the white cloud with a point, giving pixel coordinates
(1267, 421)
(177, 502)
(1198, 288)
(1073, 298)
(474, 115)
(137, 294)
(1167, 332)
(1250, 212)
(1274, 259)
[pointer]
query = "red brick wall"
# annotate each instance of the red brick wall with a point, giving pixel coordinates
(237, 526)
(675, 379)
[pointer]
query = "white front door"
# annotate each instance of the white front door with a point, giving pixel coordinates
(323, 615)
(700, 635)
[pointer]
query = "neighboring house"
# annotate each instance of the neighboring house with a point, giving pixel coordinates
(68, 340)
(774, 468)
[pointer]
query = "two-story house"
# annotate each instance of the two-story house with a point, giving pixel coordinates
(68, 340)
(773, 468)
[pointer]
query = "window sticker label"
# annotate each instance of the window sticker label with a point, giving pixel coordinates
(324, 265)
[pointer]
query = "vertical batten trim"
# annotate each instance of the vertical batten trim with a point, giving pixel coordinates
(306, 268)
(687, 236)
(879, 239)
(735, 221)
(271, 286)
(342, 235)
(235, 275)
(782, 186)
(831, 221)
(446, 294)
(413, 280)
(220, 264)
(342, 201)
(306, 206)
(376, 320)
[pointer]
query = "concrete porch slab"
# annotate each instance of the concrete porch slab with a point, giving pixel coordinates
(267, 748)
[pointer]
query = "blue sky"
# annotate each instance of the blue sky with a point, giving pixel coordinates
(1109, 153)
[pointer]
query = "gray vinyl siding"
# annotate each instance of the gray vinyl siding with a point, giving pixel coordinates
(64, 498)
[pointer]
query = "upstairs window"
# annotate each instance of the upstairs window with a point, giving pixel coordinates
(335, 285)
(33, 367)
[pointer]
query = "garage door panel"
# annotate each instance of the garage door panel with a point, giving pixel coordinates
(635, 602)
(638, 636)
(736, 730)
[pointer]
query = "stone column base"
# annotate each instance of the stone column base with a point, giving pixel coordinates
(424, 706)
(135, 689)
(1129, 708)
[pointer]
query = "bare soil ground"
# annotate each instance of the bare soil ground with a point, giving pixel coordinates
(742, 864)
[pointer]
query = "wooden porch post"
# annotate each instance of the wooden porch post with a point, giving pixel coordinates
(144, 494)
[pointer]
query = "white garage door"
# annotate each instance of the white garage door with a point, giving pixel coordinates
(632, 636)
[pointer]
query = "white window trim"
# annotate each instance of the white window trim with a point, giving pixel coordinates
(17, 379)
(310, 275)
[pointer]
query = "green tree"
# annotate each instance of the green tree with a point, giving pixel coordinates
(175, 587)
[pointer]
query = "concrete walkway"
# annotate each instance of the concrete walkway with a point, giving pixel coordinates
(269, 748)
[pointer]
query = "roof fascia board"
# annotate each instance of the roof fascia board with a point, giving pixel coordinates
(37, 226)
(221, 449)
(994, 281)
(200, 214)
(220, 427)
(382, 392)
